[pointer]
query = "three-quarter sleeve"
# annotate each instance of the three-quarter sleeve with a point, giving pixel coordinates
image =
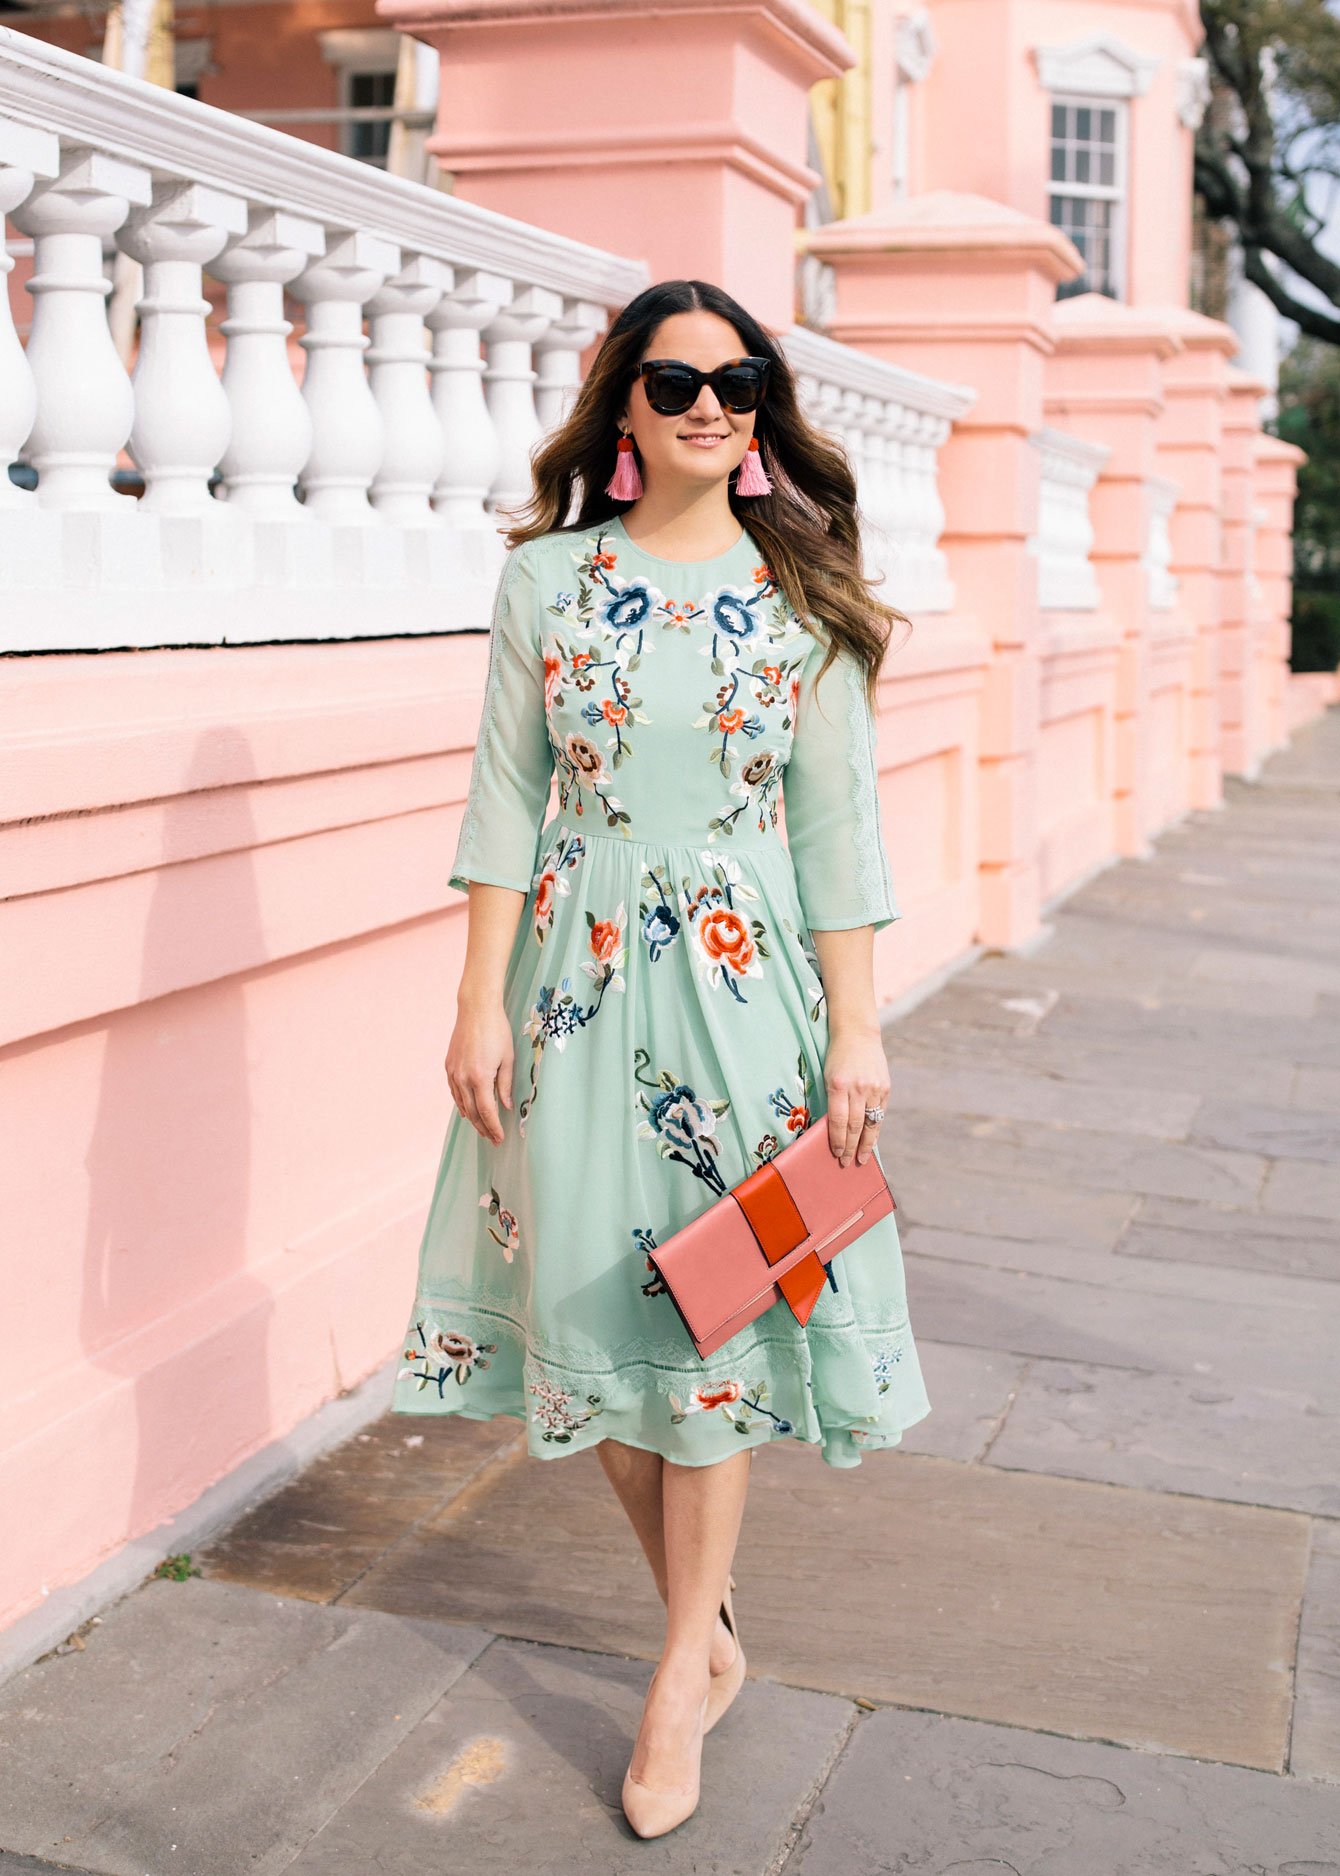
(513, 760)
(830, 789)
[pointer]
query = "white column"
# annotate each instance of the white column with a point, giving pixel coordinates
(181, 410)
(347, 435)
(85, 406)
(398, 374)
(558, 359)
(272, 428)
(470, 457)
(509, 386)
(24, 154)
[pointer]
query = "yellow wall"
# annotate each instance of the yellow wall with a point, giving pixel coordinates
(841, 110)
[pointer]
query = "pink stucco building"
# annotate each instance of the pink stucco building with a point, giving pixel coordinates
(232, 781)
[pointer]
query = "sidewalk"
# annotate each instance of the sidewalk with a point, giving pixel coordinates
(1086, 1624)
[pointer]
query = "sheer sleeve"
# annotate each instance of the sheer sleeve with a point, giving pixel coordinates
(830, 789)
(513, 761)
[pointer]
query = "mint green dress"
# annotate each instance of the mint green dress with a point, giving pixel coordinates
(667, 1010)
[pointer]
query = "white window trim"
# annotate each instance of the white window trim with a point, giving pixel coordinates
(1100, 65)
(1118, 193)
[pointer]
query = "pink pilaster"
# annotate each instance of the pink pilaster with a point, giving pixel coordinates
(964, 289)
(1105, 384)
(1190, 439)
(674, 134)
(1241, 717)
(1276, 479)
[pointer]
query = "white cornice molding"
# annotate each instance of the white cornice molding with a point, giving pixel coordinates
(1099, 65)
(1193, 92)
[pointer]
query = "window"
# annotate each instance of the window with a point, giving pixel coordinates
(1088, 189)
(369, 142)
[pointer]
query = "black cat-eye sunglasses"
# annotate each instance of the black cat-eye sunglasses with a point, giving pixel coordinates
(672, 386)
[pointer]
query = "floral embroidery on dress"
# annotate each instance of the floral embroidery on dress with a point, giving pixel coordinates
(660, 921)
(683, 1127)
(883, 1365)
(556, 1014)
(815, 991)
(792, 1109)
(507, 1225)
(550, 884)
(646, 1243)
(741, 1405)
(726, 945)
(460, 1357)
(556, 1414)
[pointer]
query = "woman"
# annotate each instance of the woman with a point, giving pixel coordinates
(657, 994)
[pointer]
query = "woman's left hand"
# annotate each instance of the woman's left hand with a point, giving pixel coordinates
(856, 1076)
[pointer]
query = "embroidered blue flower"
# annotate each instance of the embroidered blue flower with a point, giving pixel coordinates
(630, 604)
(732, 612)
(660, 927)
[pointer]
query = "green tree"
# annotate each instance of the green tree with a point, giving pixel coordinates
(1309, 415)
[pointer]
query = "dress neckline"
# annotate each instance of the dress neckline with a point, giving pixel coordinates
(660, 560)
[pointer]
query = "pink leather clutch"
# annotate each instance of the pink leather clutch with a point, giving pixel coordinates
(772, 1237)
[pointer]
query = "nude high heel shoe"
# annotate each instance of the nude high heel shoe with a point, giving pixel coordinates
(727, 1684)
(651, 1811)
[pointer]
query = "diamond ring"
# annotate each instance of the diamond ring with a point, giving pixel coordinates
(874, 1115)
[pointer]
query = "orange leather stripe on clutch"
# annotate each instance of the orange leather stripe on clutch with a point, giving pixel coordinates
(777, 1224)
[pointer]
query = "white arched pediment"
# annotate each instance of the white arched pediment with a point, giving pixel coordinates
(1099, 65)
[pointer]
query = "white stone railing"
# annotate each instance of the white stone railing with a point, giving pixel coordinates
(1162, 583)
(1064, 536)
(892, 422)
(355, 502)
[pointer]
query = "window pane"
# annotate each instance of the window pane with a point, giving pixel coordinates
(1082, 166)
(1058, 163)
(1107, 126)
(1107, 169)
(1058, 120)
(1083, 123)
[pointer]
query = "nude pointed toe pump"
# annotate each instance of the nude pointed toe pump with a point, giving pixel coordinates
(727, 1684)
(653, 1812)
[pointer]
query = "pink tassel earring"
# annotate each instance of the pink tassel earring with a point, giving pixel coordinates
(625, 485)
(753, 477)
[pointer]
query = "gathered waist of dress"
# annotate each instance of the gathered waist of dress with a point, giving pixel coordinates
(668, 839)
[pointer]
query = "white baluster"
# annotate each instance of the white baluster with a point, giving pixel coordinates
(24, 154)
(85, 406)
(509, 386)
(398, 374)
(272, 427)
(470, 456)
(182, 418)
(878, 492)
(558, 359)
(347, 434)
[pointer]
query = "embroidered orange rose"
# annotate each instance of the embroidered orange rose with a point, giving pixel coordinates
(762, 576)
(604, 939)
(726, 938)
(773, 673)
(580, 660)
(605, 561)
(544, 896)
(798, 1120)
(730, 720)
(613, 712)
(552, 670)
(716, 1394)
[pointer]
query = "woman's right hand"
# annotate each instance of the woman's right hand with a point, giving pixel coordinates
(479, 1066)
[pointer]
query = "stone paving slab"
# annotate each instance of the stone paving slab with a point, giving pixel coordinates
(30, 1866)
(520, 1767)
(1016, 1096)
(917, 1795)
(1162, 1622)
(1173, 1231)
(215, 1718)
(327, 1526)
(1302, 1189)
(1277, 1132)
(936, 1191)
(1211, 1437)
(1315, 1745)
(970, 1390)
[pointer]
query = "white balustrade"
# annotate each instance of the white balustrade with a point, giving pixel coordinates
(398, 373)
(457, 371)
(509, 387)
(182, 418)
(558, 359)
(271, 428)
(1064, 535)
(85, 406)
(347, 431)
(892, 423)
(1163, 584)
(398, 452)
(25, 154)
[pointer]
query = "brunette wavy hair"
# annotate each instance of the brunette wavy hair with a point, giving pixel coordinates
(806, 528)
